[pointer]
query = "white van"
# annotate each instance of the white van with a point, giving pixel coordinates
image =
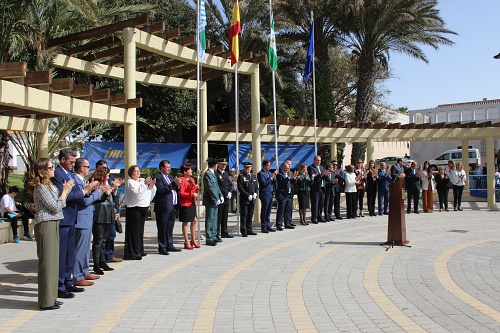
(455, 155)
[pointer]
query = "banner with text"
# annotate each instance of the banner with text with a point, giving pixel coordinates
(297, 154)
(149, 154)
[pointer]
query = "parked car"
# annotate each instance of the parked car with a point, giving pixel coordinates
(391, 160)
(456, 156)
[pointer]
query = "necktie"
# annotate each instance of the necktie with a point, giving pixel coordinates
(70, 176)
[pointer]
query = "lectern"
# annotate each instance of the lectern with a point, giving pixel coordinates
(396, 227)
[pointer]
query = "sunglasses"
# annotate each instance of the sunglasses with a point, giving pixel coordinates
(50, 167)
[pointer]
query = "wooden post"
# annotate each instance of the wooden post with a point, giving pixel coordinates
(396, 226)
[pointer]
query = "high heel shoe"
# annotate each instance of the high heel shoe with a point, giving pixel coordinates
(195, 245)
(187, 246)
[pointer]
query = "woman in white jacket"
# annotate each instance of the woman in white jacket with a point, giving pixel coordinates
(350, 191)
(427, 178)
(458, 179)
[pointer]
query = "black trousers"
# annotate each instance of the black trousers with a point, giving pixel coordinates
(413, 196)
(222, 219)
(13, 223)
(457, 196)
(246, 214)
(134, 232)
(336, 204)
(317, 201)
(371, 194)
(284, 212)
(100, 233)
(443, 197)
(350, 199)
(360, 196)
(328, 206)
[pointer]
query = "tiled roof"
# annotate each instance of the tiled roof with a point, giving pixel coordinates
(492, 101)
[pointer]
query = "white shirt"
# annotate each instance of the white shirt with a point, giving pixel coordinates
(350, 182)
(7, 202)
(455, 177)
(425, 180)
(138, 194)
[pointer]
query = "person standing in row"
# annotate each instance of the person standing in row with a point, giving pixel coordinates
(303, 187)
(360, 186)
(49, 204)
(330, 181)
(248, 188)
(267, 181)
(350, 191)
(371, 187)
(383, 180)
(212, 198)
(458, 179)
(427, 179)
(338, 187)
(412, 183)
(443, 187)
(317, 190)
(188, 193)
(285, 181)
(138, 195)
(166, 202)
(226, 187)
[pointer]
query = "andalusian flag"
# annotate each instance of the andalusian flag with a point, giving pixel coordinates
(272, 55)
(234, 31)
(202, 39)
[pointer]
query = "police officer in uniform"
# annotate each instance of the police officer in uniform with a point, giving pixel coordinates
(226, 187)
(248, 187)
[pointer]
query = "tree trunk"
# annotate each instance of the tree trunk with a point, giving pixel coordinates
(4, 161)
(364, 99)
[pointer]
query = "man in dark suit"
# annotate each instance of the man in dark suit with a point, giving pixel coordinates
(317, 189)
(248, 187)
(338, 188)
(166, 200)
(226, 187)
(285, 182)
(83, 229)
(383, 181)
(63, 173)
(212, 198)
(267, 180)
(330, 181)
(397, 170)
(412, 184)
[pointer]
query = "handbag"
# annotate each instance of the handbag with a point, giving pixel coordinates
(118, 226)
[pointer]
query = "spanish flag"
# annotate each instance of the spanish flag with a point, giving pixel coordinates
(234, 31)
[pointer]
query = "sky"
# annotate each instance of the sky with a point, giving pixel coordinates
(464, 72)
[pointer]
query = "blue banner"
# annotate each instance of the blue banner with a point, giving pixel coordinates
(149, 154)
(297, 154)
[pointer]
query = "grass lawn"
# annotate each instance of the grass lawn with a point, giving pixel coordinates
(16, 179)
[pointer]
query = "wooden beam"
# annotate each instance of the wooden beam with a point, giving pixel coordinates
(62, 84)
(98, 44)
(165, 66)
(97, 32)
(149, 61)
(260, 59)
(204, 71)
(380, 125)
(338, 124)
(101, 95)
(155, 27)
(21, 113)
(112, 51)
(181, 69)
(45, 116)
(134, 103)
(82, 90)
(215, 50)
(246, 56)
(38, 78)
(118, 99)
(12, 70)
(326, 123)
(213, 75)
(121, 59)
(171, 34)
(186, 40)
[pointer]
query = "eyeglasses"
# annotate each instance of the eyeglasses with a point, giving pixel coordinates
(86, 166)
(50, 167)
(360, 162)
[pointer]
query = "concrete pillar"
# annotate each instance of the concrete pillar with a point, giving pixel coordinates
(256, 132)
(370, 150)
(333, 151)
(465, 161)
(43, 139)
(130, 130)
(490, 165)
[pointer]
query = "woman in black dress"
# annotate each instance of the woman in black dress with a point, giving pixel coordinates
(443, 184)
(303, 187)
(371, 187)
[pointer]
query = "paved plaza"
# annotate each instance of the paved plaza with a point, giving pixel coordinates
(330, 277)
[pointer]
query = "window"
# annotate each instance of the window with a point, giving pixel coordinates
(456, 156)
(472, 154)
(443, 157)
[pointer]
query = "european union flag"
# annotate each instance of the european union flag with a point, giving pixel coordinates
(310, 55)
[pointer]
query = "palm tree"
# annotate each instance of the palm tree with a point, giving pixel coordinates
(374, 28)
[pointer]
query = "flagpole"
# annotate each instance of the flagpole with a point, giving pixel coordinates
(198, 116)
(237, 122)
(274, 98)
(314, 96)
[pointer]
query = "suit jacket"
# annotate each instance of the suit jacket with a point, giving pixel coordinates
(383, 180)
(211, 190)
(340, 186)
(86, 210)
(74, 198)
(266, 184)
(318, 180)
(329, 186)
(285, 186)
(396, 171)
(225, 184)
(247, 185)
(164, 199)
(412, 181)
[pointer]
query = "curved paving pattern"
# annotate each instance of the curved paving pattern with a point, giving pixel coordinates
(332, 277)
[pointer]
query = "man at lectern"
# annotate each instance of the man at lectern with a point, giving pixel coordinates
(397, 170)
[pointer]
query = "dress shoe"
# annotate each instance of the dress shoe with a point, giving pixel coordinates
(289, 227)
(321, 220)
(211, 243)
(244, 235)
(91, 277)
(218, 239)
(115, 260)
(279, 228)
(65, 294)
(459, 208)
(386, 213)
(408, 212)
(251, 233)
(264, 231)
(271, 230)
(173, 249)
(416, 212)
(338, 217)
(105, 267)
(196, 245)
(328, 219)
(98, 271)
(56, 302)
(83, 283)
(144, 254)
(53, 307)
(187, 246)
(293, 224)
(314, 221)
(74, 289)
(163, 252)
(227, 236)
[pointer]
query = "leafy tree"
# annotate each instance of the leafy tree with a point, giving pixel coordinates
(375, 28)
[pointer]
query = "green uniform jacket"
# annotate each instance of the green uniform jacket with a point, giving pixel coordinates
(211, 188)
